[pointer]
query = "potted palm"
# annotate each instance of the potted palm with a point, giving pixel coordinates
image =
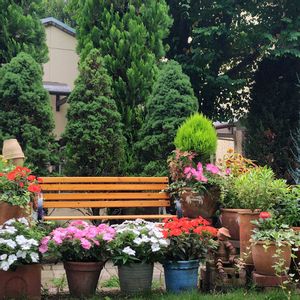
(18, 190)
(271, 244)
(83, 248)
(20, 269)
(137, 245)
(189, 241)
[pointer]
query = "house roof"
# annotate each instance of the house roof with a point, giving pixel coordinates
(57, 88)
(54, 22)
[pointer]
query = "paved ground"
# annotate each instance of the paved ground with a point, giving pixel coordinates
(54, 280)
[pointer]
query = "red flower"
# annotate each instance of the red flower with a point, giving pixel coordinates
(1, 174)
(265, 215)
(34, 188)
(175, 232)
(21, 184)
(165, 233)
(40, 180)
(31, 178)
(11, 176)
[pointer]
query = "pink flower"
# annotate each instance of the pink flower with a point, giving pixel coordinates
(43, 248)
(199, 167)
(212, 169)
(227, 171)
(57, 239)
(79, 223)
(45, 240)
(85, 244)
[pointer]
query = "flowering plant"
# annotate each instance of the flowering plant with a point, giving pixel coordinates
(80, 242)
(18, 186)
(189, 239)
(185, 173)
(19, 244)
(269, 230)
(138, 241)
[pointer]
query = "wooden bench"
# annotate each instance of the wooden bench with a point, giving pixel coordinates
(103, 192)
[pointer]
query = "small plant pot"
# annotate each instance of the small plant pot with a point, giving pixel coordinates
(83, 277)
(23, 283)
(264, 260)
(135, 278)
(230, 219)
(246, 227)
(181, 275)
(194, 204)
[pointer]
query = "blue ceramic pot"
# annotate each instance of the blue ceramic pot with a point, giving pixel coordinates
(181, 275)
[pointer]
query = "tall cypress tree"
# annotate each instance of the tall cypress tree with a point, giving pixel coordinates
(25, 110)
(170, 103)
(21, 30)
(274, 113)
(93, 135)
(130, 36)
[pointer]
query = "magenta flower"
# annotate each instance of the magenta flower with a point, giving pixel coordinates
(85, 244)
(227, 171)
(212, 169)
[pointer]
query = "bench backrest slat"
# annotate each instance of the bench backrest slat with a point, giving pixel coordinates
(105, 179)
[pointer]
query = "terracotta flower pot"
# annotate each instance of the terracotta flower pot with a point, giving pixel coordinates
(194, 205)
(83, 277)
(8, 211)
(246, 227)
(230, 219)
(263, 258)
(23, 283)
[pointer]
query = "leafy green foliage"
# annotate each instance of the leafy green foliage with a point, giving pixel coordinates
(26, 111)
(94, 137)
(274, 112)
(59, 9)
(170, 103)
(257, 189)
(220, 42)
(197, 134)
(21, 30)
(130, 37)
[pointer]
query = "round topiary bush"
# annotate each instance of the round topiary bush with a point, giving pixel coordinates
(197, 134)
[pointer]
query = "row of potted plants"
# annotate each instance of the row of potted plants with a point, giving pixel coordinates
(133, 246)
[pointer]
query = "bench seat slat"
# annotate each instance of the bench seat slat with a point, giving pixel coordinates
(116, 217)
(102, 204)
(103, 187)
(106, 196)
(105, 179)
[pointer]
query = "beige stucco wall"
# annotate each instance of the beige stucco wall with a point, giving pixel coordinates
(61, 67)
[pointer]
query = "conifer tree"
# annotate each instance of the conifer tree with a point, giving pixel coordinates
(93, 135)
(25, 110)
(130, 36)
(21, 30)
(274, 113)
(170, 103)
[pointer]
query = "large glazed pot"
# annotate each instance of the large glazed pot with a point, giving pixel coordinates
(83, 277)
(8, 211)
(194, 204)
(23, 283)
(230, 219)
(181, 275)
(264, 259)
(135, 278)
(246, 227)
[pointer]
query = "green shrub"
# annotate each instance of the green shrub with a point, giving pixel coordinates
(197, 134)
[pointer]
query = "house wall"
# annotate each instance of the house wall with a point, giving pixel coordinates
(61, 67)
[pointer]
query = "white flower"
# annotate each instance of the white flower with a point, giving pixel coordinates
(164, 242)
(12, 258)
(10, 230)
(21, 254)
(138, 241)
(10, 221)
(26, 246)
(154, 240)
(33, 242)
(155, 247)
(10, 243)
(23, 221)
(20, 239)
(145, 239)
(129, 251)
(3, 256)
(158, 234)
(4, 265)
(34, 257)
(3, 241)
